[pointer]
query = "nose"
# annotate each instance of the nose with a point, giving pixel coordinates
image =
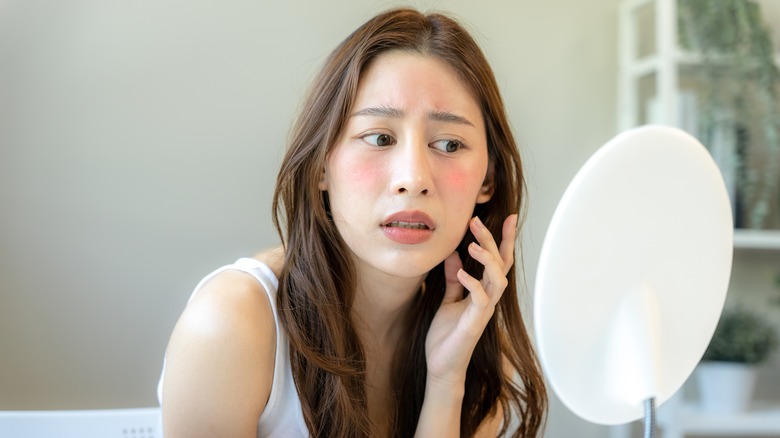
(412, 169)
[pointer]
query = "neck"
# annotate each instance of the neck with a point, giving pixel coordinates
(380, 308)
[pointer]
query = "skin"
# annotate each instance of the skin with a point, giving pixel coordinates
(414, 142)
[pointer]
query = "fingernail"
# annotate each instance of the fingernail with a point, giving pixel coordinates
(478, 222)
(475, 247)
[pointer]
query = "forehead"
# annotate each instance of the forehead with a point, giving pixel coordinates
(409, 79)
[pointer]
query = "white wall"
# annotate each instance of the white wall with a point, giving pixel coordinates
(139, 142)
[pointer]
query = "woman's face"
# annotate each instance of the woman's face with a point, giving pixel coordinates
(409, 166)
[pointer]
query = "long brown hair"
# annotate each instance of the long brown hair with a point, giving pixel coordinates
(317, 283)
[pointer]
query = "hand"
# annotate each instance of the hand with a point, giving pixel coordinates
(459, 323)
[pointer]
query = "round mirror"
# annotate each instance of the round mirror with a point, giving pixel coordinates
(633, 274)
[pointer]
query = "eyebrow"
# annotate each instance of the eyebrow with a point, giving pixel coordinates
(394, 113)
(384, 111)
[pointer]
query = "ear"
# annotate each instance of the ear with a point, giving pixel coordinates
(488, 185)
(323, 184)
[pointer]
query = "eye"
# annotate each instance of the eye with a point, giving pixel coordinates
(379, 139)
(447, 145)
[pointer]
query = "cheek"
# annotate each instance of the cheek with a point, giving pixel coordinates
(458, 180)
(356, 174)
(464, 180)
(363, 173)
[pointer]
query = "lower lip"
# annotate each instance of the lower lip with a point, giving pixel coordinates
(409, 236)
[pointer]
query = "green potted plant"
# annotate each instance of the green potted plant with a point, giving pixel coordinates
(739, 100)
(742, 340)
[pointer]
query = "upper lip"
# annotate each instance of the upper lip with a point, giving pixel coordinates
(411, 216)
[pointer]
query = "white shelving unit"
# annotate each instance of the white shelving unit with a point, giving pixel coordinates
(679, 419)
(650, 68)
(688, 420)
(636, 62)
(650, 82)
(757, 239)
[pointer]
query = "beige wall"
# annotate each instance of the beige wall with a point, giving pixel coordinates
(139, 142)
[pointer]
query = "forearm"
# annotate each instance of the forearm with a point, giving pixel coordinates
(440, 414)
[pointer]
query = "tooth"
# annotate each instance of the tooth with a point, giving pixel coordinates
(410, 225)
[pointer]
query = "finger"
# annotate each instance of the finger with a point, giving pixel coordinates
(476, 292)
(508, 237)
(483, 235)
(494, 279)
(453, 290)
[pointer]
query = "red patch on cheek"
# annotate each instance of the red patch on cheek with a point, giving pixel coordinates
(458, 179)
(461, 180)
(361, 172)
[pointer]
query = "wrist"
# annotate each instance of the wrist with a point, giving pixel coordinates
(440, 415)
(445, 389)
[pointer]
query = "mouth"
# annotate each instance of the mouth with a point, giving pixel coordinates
(412, 220)
(409, 227)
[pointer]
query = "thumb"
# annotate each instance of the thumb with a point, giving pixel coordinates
(453, 290)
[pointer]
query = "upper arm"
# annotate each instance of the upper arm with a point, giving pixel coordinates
(220, 359)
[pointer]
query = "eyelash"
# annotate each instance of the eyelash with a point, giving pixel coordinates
(447, 142)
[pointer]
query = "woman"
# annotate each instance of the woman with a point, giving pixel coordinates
(397, 206)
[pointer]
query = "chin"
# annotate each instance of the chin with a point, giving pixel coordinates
(408, 264)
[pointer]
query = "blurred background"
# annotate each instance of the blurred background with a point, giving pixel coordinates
(139, 145)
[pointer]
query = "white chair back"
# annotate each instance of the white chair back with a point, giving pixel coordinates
(102, 423)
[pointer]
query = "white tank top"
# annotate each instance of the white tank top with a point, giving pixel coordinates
(282, 416)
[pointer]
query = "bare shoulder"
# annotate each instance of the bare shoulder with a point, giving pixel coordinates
(220, 359)
(273, 257)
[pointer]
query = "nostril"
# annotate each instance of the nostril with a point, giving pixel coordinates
(404, 190)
